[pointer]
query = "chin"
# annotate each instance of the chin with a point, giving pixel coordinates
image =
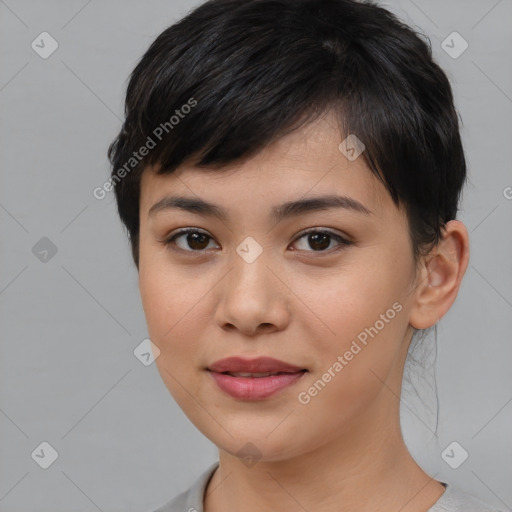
(254, 440)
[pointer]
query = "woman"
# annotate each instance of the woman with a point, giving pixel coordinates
(289, 174)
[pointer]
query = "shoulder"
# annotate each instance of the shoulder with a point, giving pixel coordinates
(455, 499)
(190, 500)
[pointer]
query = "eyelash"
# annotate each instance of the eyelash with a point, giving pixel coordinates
(343, 242)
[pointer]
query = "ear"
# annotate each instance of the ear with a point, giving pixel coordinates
(440, 276)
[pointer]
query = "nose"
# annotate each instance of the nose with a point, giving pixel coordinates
(252, 300)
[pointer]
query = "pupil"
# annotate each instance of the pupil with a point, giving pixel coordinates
(314, 240)
(195, 239)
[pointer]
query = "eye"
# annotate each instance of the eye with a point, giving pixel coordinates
(320, 240)
(196, 240)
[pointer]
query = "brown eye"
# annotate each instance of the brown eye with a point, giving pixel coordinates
(320, 240)
(197, 241)
(192, 240)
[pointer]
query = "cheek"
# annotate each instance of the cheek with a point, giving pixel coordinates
(343, 303)
(351, 364)
(172, 326)
(156, 291)
(174, 305)
(361, 317)
(162, 297)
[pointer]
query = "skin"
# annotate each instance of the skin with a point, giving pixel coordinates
(344, 449)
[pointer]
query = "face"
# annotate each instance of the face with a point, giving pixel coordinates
(326, 290)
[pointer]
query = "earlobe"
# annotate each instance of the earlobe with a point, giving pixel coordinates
(440, 277)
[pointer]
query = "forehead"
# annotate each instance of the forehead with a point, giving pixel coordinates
(302, 164)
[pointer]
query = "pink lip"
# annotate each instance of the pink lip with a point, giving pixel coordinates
(254, 388)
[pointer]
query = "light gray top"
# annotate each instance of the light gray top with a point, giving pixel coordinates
(452, 500)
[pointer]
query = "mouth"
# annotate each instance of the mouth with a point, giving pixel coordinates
(246, 375)
(254, 379)
(259, 365)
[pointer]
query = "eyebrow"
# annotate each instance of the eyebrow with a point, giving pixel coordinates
(278, 213)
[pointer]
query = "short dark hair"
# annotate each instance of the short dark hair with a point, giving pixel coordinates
(250, 71)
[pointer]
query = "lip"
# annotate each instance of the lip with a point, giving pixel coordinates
(250, 387)
(257, 365)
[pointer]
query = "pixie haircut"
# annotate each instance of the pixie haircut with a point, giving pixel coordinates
(255, 70)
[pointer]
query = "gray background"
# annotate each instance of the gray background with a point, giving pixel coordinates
(70, 324)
